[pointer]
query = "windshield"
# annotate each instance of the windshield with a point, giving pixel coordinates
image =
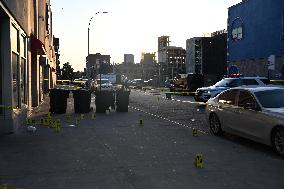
(271, 98)
(224, 82)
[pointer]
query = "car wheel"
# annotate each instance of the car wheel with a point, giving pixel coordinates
(215, 125)
(278, 140)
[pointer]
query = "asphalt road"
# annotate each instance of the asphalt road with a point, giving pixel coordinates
(115, 151)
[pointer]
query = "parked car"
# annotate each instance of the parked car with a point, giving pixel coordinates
(205, 93)
(104, 85)
(137, 83)
(256, 113)
(148, 82)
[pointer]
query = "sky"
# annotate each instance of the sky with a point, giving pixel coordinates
(131, 26)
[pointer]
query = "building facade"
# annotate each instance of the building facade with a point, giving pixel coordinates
(207, 56)
(256, 32)
(27, 59)
(98, 63)
(131, 71)
(170, 58)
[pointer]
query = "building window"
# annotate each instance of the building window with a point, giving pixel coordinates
(19, 67)
(15, 66)
(23, 70)
(15, 80)
(237, 29)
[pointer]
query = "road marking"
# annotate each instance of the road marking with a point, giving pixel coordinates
(176, 123)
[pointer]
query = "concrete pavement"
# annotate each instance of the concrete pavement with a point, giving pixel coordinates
(115, 151)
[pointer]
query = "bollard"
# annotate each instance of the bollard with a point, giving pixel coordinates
(198, 161)
(194, 132)
(57, 124)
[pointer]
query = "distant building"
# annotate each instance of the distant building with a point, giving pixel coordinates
(131, 71)
(128, 58)
(148, 65)
(98, 63)
(27, 59)
(256, 32)
(170, 58)
(148, 58)
(207, 56)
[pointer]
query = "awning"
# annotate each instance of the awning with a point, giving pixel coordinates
(37, 46)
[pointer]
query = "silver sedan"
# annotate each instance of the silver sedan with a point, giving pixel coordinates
(254, 113)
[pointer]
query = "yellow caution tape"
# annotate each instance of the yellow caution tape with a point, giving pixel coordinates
(198, 161)
(8, 107)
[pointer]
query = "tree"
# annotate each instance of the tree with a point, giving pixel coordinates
(67, 71)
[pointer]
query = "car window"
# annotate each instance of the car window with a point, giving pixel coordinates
(224, 82)
(266, 81)
(228, 97)
(250, 82)
(236, 83)
(245, 99)
(271, 98)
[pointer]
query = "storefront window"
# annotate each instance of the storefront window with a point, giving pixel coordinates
(23, 83)
(14, 39)
(1, 75)
(15, 80)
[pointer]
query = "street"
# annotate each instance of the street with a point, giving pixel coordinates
(116, 151)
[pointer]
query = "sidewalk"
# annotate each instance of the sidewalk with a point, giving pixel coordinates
(76, 157)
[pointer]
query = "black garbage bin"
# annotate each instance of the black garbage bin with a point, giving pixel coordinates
(104, 100)
(122, 100)
(58, 100)
(82, 101)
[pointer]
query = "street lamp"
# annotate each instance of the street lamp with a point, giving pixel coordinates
(89, 38)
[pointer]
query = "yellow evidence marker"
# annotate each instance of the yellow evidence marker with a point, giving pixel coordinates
(29, 121)
(82, 116)
(141, 122)
(57, 125)
(48, 115)
(198, 161)
(93, 116)
(68, 119)
(78, 119)
(194, 132)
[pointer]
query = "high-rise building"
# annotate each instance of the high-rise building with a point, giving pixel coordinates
(171, 59)
(207, 56)
(128, 58)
